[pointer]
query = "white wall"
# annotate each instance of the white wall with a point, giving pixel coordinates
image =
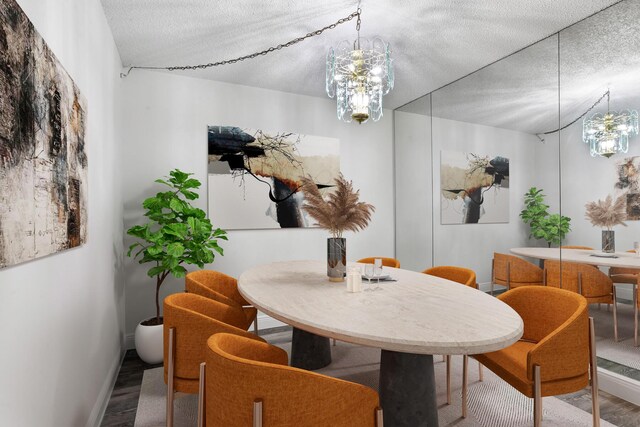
(62, 318)
(165, 127)
(413, 190)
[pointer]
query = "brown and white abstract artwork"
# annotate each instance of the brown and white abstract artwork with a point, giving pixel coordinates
(628, 171)
(43, 163)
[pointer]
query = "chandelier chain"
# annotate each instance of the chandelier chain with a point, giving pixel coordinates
(595, 104)
(255, 54)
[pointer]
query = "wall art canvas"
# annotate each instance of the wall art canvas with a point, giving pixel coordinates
(474, 188)
(628, 170)
(254, 176)
(43, 163)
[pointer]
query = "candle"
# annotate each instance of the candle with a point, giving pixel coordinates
(354, 279)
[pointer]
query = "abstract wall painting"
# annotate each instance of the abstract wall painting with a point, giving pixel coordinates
(43, 163)
(254, 176)
(628, 171)
(474, 188)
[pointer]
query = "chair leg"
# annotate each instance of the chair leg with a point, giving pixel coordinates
(480, 374)
(491, 288)
(615, 315)
(595, 401)
(255, 325)
(170, 373)
(537, 397)
(334, 342)
(448, 379)
(257, 413)
(635, 314)
(379, 418)
(201, 396)
(465, 366)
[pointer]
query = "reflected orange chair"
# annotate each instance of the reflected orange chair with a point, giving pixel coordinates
(557, 351)
(466, 277)
(189, 320)
(629, 275)
(513, 272)
(585, 280)
(222, 288)
(583, 248)
(247, 383)
(387, 262)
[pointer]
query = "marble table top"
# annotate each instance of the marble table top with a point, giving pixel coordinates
(418, 313)
(624, 259)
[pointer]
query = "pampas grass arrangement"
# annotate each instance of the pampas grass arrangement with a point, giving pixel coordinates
(607, 213)
(341, 211)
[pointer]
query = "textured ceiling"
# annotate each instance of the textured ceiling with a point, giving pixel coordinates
(521, 92)
(433, 41)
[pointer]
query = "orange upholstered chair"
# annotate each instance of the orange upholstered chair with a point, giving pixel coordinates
(189, 320)
(585, 280)
(249, 383)
(222, 288)
(556, 353)
(513, 272)
(629, 275)
(387, 262)
(465, 277)
(583, 248)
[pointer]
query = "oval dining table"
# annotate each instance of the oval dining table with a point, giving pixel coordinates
(410, 320)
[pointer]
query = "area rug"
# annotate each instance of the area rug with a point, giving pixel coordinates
(492, 402)
(623, 351)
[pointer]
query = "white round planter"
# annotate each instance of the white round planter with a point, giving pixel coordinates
(149, 343)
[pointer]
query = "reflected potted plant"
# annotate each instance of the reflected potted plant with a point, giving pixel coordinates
(606, 214)
(177, 233)
(341, 211)
(552, 228)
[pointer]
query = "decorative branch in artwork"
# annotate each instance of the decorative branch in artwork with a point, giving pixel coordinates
(607, 213)
(341, 211)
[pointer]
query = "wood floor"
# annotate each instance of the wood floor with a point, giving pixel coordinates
(121, 411)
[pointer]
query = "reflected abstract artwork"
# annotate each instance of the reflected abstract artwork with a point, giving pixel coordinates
(628, 171)
(254, 176)
(43, 164)
(474, 188)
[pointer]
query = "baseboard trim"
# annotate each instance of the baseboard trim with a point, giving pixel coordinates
(620, 386)
(100, 407)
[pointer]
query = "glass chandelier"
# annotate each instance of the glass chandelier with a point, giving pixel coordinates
(608, 134)
(359, 74)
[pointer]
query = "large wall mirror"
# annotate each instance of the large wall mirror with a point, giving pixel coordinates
(467, 154)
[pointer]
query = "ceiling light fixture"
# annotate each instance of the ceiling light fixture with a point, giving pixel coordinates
(608, 133)
(359, 74)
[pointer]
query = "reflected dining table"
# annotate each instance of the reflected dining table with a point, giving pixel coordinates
(592, 257)
(410, 320)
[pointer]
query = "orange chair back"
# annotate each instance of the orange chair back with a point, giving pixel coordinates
(512, 271)
(387, 262)
(239, 371)
(194, 319)
(584, 279)
(205, 282)
(457, 274)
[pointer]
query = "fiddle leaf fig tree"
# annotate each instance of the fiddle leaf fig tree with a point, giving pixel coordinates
(176, 233)
(551, 228)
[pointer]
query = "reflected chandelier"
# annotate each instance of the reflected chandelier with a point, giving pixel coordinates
(359, 74)
(608, 134)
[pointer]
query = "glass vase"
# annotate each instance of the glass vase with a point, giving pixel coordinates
(336, 258)
(608, 241)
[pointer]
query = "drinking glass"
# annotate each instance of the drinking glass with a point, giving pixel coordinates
(369, 270)
(377, 272)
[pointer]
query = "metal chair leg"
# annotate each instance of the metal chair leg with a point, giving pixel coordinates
(480, 374)
(465, 365)
(379, 417)
(537, 397)
(255, 325)
(615, 315)
(170, 374)
(201, 396)
(635, 313)
(448, 379)
(257, 413)
(593, 362)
